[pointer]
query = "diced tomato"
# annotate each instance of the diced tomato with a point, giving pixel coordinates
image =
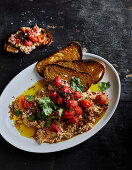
(33, 37)
(42, 38)
(54, 127)
(86, 103)
(27, 104)
(28, 43)
(53, 94)
(77, 94)
(72, 104)
(58, 81)
(35, 28)
(59, 100)
(17, 41)
(78, 111)
(21, 100)
(68, 114)
(65, 89)
(22, 29)
(101, 99)
(73, 120)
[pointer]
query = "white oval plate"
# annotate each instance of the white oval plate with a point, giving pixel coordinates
(27, 78)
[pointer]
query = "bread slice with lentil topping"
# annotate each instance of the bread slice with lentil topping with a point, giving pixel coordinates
(28, 39)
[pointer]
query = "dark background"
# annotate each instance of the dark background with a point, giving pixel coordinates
(104, 28)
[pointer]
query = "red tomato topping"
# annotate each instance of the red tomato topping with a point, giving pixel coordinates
(86, 103)
(68, 114)
(58, 81)
(27, 104)
(33, 37)
(28, 43)
(22, 29)
(65, 89)
(53, 94)
(77, 94)
(78, 111)
(54, 127)
(35, 28)
(101, 99)
(59, 100)
(42, 38)
(72, 104)
(17, 41)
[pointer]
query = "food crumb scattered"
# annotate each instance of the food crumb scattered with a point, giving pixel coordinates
(128, 75)
(115, 65)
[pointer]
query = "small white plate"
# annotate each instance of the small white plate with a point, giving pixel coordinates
(27, 78)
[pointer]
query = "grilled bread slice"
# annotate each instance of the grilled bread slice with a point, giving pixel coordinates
(53, 70)
(95, 68)
(71, 52)
(27, 39)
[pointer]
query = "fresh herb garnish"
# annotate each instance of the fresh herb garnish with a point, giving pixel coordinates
(60, 112)
(30, 98)
(76, 84)
(31, 117)
(47, 124)
(41, 116)
(44, 100)
(47, 107)
(16, 112)
(104, 85)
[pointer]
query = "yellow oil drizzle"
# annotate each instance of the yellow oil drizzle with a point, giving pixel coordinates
(94, 87)
(23, 129)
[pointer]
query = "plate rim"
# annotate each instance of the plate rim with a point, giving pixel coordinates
(97, 130)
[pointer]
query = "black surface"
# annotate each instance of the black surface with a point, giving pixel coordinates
(104, 27)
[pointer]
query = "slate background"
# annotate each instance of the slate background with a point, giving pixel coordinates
(104, 28)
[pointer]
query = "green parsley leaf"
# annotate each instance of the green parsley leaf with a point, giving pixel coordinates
(41, 116)
(76, 84)
(52, 105)
(60, 111)
(31, 117)
(44, 100)
(30, 98)
(48, 111)
(104, 85)
(16, 112)
(47, 124)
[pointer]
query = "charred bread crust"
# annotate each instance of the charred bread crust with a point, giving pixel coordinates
(52, 70)
(71, 52)
(11, 46)
(94, 67)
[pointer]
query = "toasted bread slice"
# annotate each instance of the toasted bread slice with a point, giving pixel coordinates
(53, 70)
(96, 68)
(27, 39)
(71, 52)
(10, 48)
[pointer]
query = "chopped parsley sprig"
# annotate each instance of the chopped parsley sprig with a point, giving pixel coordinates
(76, 84)
(104, 85)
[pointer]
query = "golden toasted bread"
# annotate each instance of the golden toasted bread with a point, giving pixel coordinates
(27, 39)
(71, 52)
(53, 70)
(96, 68)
